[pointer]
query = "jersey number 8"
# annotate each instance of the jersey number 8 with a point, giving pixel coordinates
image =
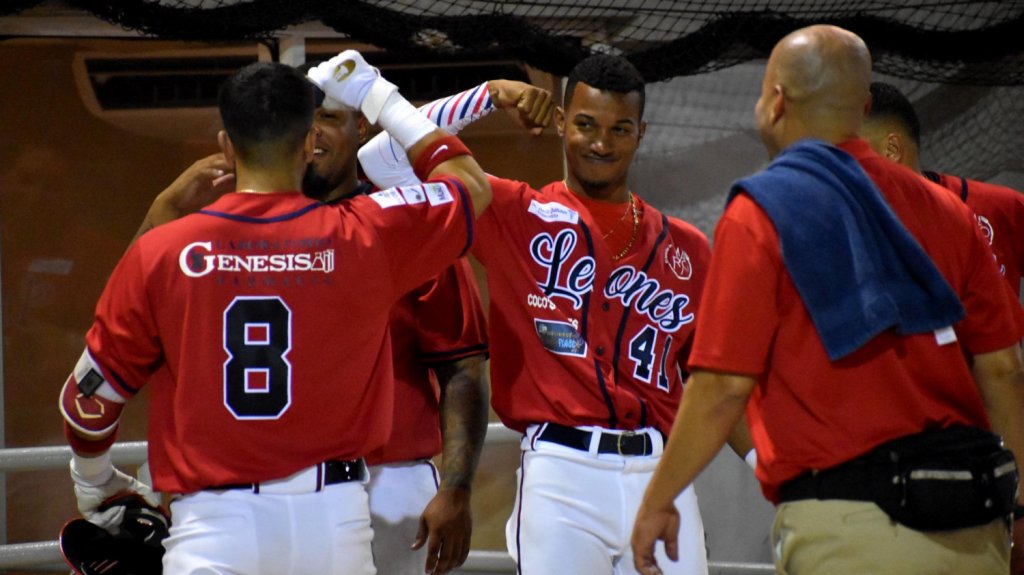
(257, 374)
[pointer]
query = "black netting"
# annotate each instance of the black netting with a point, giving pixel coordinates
(940, 41)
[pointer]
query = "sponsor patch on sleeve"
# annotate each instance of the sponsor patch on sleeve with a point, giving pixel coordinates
(414, 195)
(438, 194)
(553, 212)
(388, 198)
(560, 337)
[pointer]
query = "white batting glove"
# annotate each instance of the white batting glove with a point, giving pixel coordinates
(348, 79)
(94, 486)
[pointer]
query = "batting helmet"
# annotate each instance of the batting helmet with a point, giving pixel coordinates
(136, 549)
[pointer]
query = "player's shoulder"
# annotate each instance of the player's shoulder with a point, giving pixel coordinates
(994, 191)
(683, 231)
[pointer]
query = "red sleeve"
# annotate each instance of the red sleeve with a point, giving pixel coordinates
(123, 339)
(736, 324)
(492, 227)
(1017, 208)
(449, 318)
(423, 228)
(986, 297)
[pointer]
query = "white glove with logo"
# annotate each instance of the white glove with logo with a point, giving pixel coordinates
(93, 488)
(348, 79)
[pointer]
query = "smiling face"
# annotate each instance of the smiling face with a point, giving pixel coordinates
(333, 170)
(601, 132)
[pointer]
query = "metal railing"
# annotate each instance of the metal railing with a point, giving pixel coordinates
(45, 555)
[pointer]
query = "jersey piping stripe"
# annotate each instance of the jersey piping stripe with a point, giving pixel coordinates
(270, 220)
(467, 209)
(586, 297)
(584, 323)
(629, 309)
(613, 418)
(461, 353)
(519, 514)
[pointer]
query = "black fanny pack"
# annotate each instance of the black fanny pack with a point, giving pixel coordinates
(932, 481)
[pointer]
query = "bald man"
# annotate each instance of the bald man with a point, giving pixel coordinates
(841, 347)
(894, 131)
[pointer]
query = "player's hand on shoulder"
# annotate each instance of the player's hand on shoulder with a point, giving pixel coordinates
(530, 106)
(446, 526)
(202, 183)
(94, 488)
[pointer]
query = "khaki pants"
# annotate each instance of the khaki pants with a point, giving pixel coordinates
(836, 537)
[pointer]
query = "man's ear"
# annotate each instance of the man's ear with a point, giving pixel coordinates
(641, 130)
(560, 120)
(224, 141)
(894, 148)
(362, 128)
(308, 145)
(778, 108)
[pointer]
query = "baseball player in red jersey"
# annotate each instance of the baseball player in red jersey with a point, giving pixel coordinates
(894, 131)
(832, 342)
(437, 333)
(593, 295)
(226, 313)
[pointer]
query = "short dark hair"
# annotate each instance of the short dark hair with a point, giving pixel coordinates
(607, 73)
(887, 102)
(267, 110)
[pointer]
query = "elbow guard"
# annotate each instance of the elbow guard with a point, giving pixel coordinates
(90, 406)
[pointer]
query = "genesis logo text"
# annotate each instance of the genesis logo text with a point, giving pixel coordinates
(197, 260)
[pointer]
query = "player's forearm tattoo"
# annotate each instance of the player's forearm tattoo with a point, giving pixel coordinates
(464, 403)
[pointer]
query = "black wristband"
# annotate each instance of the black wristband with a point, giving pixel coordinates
(1018, 512)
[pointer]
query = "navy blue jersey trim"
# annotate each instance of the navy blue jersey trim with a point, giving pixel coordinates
(460, 353)
(119, 382)
(364, 188)
(254, 220)
(467, 209)
(613, 418)
(584, 321)
(620, 334)
(963, 189)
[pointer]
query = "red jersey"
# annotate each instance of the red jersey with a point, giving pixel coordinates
(580, 339)
(809, 413)
(1000, 213)
(440, 321)
(261, 325)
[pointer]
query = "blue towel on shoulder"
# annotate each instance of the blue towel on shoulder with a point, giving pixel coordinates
(857, 268)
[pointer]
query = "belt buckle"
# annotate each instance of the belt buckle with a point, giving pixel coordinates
(618, 444)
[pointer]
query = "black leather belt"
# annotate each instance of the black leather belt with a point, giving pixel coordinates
(854, 481)
(333, 472)
(621, 443)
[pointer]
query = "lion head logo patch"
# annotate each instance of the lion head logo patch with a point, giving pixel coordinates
(678, 261)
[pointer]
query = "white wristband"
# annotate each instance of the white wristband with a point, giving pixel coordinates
(91, 471)
(403, 121)
(751, 458)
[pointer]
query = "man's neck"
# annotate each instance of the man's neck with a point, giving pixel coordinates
(266, 182)
(612, 193)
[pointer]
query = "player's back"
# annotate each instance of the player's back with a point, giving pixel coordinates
(267, 315)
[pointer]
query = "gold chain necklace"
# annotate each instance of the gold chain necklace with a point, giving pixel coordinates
(636, 230)
(636, 224)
